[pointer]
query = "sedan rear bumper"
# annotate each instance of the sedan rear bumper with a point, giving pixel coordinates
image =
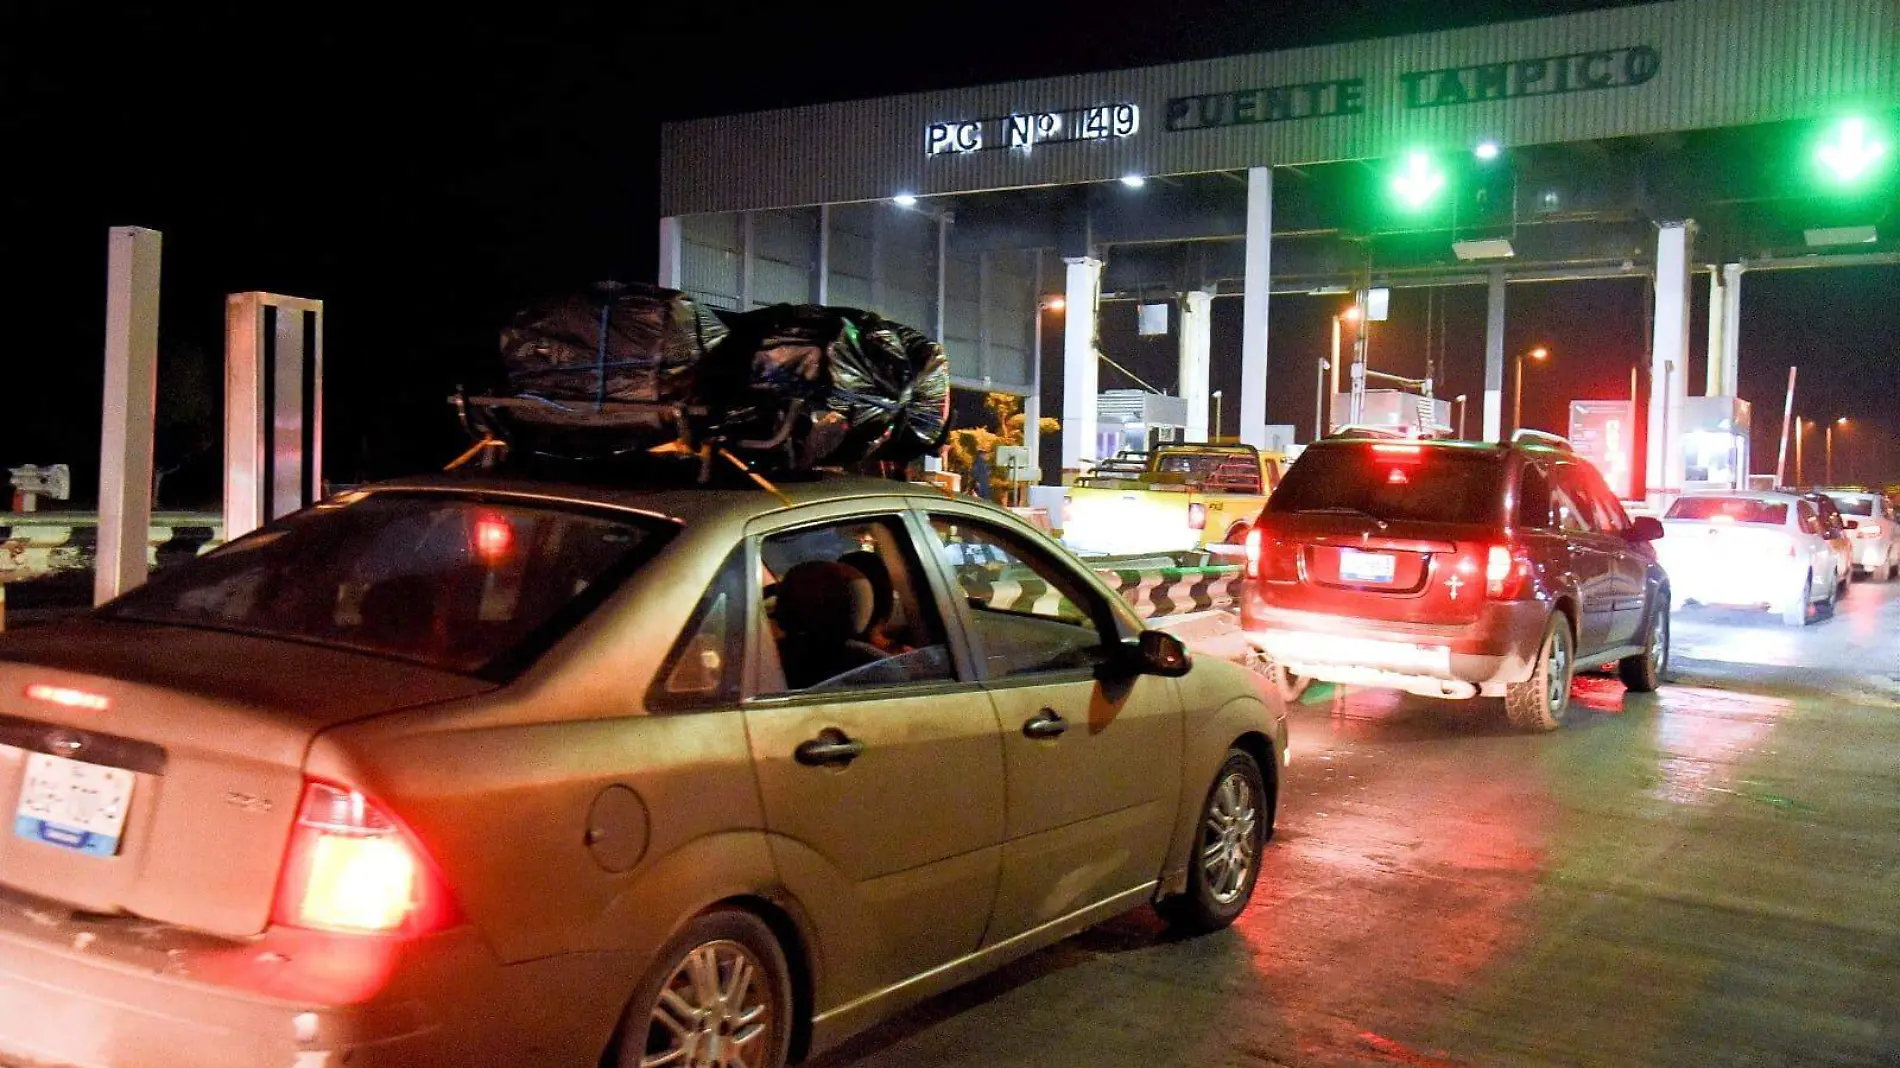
(1470, 660)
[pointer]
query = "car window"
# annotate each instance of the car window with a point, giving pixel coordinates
(466, 584)
(846, 606)
(704, 667)
(1853, 505)
(1810, 521)
(1029, 613)
(1394, 481)
(1569, 502)
(1534, 499)
(1730, 510)
(1606, 511)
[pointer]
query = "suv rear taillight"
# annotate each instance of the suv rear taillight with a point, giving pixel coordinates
(1507, 573)
(351, 868)
(1256, 541)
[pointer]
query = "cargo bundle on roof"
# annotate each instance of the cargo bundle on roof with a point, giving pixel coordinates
(626, 369)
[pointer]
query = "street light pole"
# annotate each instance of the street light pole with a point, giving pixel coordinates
(1517, 404)
(1800, 434)
(1461, 416)
(1217, 396)
(1319, 394)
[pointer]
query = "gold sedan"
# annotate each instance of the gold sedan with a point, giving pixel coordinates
(486, 771)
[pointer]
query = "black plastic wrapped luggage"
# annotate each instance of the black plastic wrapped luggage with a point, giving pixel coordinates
(614, 343)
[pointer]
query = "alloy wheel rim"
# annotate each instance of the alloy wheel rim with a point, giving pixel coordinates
(1659, 642)
(1227, 857)
(714, 1011)
(1558, 668)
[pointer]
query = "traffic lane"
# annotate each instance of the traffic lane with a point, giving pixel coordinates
(1706, 874)
(1860, 640)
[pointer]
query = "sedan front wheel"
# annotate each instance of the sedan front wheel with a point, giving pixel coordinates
(1225, 862)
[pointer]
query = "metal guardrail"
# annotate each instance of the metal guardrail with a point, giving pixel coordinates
(36, 544)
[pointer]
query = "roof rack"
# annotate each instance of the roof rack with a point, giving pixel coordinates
(1526, 436)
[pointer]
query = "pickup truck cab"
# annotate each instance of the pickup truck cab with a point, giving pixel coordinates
(1178, 497)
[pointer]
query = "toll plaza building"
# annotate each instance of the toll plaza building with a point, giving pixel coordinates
(1678, 145)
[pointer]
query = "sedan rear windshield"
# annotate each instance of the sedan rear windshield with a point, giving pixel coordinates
(1394, 482)
(1730, 509)
(467, 585)
(1853, 505)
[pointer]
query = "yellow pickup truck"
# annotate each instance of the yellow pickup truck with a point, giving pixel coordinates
(1176, 497)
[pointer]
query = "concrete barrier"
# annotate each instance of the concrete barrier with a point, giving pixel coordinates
(1153, 592)
(36, 544)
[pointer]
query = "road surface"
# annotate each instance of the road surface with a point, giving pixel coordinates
(1706, 876)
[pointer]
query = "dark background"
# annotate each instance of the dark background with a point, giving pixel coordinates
(426, 174)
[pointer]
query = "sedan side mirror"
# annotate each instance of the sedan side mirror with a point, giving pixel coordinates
(1159, 653)
(1646, 528)
(1853, 524)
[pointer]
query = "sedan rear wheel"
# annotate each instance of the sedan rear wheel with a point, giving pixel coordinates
(719, 996)
(1541, 701)
(1797, 616)
(1225, 862)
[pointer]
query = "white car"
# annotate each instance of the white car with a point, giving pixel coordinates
(1875, 534)
(1753, 550)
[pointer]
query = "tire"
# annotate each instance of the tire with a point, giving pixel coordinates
(1644, 672)
(1798, 615)
(1541, 702)
(708, 1023)
(1224, 864)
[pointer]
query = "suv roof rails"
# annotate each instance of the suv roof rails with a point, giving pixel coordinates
(1525, 436)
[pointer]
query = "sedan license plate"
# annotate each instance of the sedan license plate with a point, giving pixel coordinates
(1356, 566)
(73, 805)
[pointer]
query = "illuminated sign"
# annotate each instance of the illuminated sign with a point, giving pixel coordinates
(1279, 103)
(1604, 433)
(1023, 131)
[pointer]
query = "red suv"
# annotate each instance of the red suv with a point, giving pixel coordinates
(1456, 569)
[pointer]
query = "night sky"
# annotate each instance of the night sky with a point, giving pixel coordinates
(424, 177)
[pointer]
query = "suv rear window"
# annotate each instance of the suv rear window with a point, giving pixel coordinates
(1731, 509)
(1395, 482)
(1853, 505)
(466, 585)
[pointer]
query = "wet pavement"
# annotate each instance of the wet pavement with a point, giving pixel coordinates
(1709, 875)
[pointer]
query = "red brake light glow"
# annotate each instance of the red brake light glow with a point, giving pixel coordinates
(351, 869)
(67, 697)
(1507, 573)
(494, 537)
(1398, 450)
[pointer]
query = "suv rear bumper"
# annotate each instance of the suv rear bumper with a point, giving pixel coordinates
(1468, 660)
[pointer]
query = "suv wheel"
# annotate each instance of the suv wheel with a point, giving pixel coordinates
(1541, 701)
(1225, 863)
(1643, 672)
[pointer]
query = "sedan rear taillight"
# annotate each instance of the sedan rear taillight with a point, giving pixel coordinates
(1507, 573)
(351, 868)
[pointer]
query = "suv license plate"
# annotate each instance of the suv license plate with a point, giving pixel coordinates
(73, 805)
(1355, 566)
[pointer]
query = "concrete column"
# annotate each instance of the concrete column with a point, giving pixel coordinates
(670, 239)
(1494, 358)
(1731, 329)
(943, 270)
(1668, 363)
(1717, 350)
(1256, 277)
(1196, 311)
(131, 394)
(1079, 373)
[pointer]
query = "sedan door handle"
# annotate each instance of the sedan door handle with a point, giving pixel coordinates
(1047, 724)
(832, 748)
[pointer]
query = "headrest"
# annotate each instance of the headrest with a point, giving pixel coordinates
(821, 598)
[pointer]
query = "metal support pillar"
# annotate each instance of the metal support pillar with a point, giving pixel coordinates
(1494, 357)
(821, 270)
(131, 394)
(1668, 364)
(747, 262)
(670, 241)
(942, 272)
(1718, 351)
(1256, 279)
(1032, 403)
(273, 408)
(1080, 387)
(1731, 329)
(1196, 308)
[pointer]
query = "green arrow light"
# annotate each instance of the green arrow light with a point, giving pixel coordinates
(1852, 152)
(1419, 182)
